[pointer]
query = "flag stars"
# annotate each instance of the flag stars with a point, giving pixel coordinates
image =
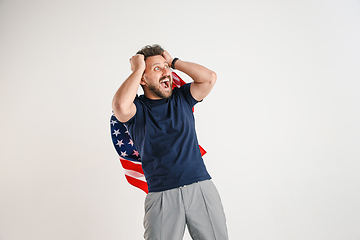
(113, 122)
(123, 154)
(119, 143)
(136, 153)
(116, 132)
(131, 142)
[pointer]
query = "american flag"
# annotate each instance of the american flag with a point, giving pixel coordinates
(129, 156)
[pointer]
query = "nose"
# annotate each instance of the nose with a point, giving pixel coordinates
(166, 71)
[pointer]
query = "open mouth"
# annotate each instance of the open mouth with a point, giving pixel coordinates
(165, 83)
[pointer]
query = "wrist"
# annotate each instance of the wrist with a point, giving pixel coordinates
(173, 62)
(138, 72)
(140, 68)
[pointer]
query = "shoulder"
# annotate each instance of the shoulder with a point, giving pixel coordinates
(140, 101)
(184, 92)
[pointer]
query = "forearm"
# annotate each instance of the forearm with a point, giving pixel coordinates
(198, 73)
(204, 78)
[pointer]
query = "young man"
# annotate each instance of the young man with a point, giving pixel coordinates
(162, 127)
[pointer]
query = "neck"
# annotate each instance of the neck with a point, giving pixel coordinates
(151, 95)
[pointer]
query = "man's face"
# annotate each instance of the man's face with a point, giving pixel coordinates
(157, 77)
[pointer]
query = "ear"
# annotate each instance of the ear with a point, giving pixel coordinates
(143, 81)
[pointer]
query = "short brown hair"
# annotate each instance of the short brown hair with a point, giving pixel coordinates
(151, 50)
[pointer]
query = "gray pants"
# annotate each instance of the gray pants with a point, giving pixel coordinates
(197, 205)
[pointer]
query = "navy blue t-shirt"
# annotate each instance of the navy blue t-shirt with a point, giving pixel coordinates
(163, 132)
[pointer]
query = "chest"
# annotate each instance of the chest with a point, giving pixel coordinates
(168, 119)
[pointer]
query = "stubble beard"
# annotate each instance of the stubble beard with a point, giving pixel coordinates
(157, 89)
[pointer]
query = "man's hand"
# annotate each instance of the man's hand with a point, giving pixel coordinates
(167, 57)
(137, 62)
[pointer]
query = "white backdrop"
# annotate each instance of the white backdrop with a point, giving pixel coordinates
(281, 127)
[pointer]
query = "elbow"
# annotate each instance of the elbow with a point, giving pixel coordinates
(115, 104)
(122, 112)
(212, 78)
(119, 107)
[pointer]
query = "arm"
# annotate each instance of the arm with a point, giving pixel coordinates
(204, 78)
(123, 101)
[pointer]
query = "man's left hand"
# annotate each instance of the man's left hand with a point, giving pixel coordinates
(167, 57)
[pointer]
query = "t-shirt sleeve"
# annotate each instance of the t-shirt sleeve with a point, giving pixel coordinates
(185, 90)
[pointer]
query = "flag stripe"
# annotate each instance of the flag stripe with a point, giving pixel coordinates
(126, 164)
(202, 151)
(135, 174)
(137, 183)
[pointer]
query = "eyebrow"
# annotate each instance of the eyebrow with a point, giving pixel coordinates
(157, 63)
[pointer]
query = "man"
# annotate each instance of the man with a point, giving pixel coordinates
(162, 127)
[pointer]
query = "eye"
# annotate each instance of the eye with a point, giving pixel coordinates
(166, 66)
(156, 68)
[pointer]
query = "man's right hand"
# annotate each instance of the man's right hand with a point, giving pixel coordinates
(137, 63)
